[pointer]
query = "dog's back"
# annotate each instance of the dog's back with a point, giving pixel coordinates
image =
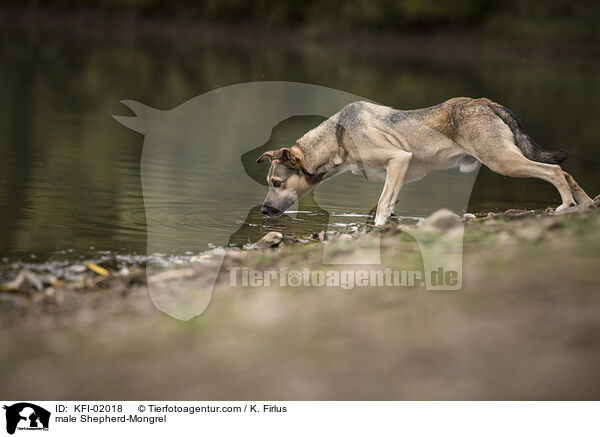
(448, 119)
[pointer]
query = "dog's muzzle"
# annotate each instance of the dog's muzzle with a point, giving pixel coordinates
(270, 211)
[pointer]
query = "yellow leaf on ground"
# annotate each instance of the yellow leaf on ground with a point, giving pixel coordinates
(96, 268)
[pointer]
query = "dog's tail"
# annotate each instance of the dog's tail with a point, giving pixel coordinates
(528, 146)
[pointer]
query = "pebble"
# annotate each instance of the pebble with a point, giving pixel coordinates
(76, 268)
(442, 219)
(271, 239)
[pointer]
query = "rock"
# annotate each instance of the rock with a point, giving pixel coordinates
(330, 234)
(469, 216)
(442, 219)
(76, 268)
(15, 284)
(48, 280)
(271, 239)
(25, 281)
(530, 233)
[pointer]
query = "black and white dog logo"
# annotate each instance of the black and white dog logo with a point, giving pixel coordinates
(26, 416)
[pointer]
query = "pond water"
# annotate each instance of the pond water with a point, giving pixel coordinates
(70, 174)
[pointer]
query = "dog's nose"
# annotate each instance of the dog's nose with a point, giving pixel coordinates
(269, 210)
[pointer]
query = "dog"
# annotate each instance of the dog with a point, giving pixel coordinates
(402, 146)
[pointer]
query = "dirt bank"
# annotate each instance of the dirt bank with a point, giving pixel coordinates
(523, 326)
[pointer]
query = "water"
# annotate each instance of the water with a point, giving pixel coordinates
(70, 175)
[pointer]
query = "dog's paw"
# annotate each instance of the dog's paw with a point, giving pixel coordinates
(564, 206)
(380, 221)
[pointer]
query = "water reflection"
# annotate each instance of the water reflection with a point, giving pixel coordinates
(70, 175)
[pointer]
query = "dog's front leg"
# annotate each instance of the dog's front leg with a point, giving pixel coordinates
(395, 172)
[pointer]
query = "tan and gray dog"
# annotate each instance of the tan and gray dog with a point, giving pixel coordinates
(403, 146)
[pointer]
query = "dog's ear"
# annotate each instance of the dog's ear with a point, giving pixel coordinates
(268, 154)
(292, 157)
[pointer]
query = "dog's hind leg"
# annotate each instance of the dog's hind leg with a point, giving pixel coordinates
(492, 142)
(514, 164)
(580, 196)
(395, 172)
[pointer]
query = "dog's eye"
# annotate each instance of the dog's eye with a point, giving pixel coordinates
(276, 184)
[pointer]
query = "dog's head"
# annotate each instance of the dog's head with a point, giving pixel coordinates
(288, 179)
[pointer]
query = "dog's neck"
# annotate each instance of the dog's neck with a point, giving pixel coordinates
(320, 163)
(325, 172)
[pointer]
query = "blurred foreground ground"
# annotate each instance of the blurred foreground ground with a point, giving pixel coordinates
(524, 326)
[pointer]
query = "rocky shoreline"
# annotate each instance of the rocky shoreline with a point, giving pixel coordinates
(47, 285)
